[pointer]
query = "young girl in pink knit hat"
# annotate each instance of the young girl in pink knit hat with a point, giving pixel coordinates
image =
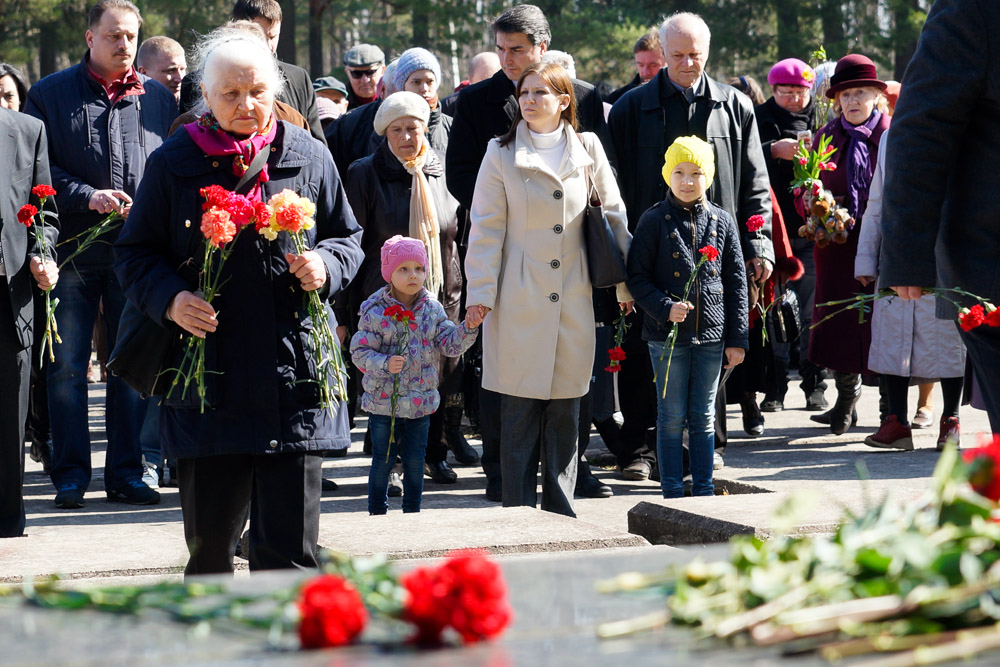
(402, 331)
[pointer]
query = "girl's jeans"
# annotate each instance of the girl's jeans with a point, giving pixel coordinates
(690, 404)
(409, 443)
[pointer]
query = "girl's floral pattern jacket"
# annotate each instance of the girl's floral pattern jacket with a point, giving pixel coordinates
(380, 337)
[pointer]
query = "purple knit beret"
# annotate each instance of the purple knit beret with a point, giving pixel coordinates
(401, 249)
(791, 72)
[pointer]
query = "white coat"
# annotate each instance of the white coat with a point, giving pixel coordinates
(907, 339)
(527, 262)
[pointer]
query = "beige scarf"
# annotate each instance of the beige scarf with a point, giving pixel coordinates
(423, 221)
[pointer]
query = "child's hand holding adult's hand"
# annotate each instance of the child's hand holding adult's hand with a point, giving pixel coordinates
(679, 311)
(734, 356)
(473, 317)
(396, 363)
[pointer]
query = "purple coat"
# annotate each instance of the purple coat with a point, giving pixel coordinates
(379, 337)
(841, 344)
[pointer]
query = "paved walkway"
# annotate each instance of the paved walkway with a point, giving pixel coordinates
(112, 540)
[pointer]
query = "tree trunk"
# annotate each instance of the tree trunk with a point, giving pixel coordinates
(789, 37)
(420, 13)
(905, 34)
(834, 33)
(316, 8)
(286, 44)
(48, 49)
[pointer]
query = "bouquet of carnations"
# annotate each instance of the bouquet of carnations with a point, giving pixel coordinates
(294, 214)
(225, 215)
(464, 596)
(825, 220)
(616, 354)
(26, 216)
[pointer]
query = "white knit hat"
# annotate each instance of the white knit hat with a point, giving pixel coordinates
(399, 105)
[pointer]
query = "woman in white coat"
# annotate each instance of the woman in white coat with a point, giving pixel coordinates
(528, 265)
(909, 344)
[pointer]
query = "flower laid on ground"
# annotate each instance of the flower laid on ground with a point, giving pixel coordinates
(406, 322)
(919, 579)
(294, 214)
(825, 220)
(332, 612)
(26, 216)
(465, 594)
(706, 253)
(225, 214)
(982, 313)
(616, 354)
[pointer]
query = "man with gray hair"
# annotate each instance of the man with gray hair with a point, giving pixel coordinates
(162, 59)
(683, 100)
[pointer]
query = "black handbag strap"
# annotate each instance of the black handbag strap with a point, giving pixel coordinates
(256, 166)
(593, 196)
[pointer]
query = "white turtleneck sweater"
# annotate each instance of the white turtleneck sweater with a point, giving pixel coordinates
(550, 147)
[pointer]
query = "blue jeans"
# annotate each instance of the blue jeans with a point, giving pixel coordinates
(690, 404)
(410, 443)
(79, 291)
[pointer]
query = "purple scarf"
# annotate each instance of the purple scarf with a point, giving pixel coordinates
(212, 139)
(860, 168)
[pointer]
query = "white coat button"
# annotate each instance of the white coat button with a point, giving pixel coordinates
(273, 444)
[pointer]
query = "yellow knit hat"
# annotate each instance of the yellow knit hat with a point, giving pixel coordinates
(689, 149)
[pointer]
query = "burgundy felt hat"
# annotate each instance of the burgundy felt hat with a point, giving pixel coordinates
(854, 71)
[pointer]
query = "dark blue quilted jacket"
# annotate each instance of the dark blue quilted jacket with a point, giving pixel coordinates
(662, 256)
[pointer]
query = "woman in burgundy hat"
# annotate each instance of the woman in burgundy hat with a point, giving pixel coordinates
(841, 343)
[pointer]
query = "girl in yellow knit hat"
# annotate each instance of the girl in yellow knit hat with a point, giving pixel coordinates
(711, 323)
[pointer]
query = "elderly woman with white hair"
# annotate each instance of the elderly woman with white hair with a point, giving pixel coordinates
(260, 441)
(401, 189)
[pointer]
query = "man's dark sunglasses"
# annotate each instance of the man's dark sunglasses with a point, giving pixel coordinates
(361, 73)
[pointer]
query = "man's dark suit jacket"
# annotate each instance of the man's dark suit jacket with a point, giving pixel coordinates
(485, 110)
(26, 164)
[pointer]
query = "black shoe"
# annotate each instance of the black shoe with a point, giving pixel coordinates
(494, 490)
(134, 493)
(41, 452)
(440, 472)
(824, 418)
(637, 471)
(816, 401)
(329, 485)
(589, 486)
(772, 405)
(69, 497)
(459, 446)
(753, 420)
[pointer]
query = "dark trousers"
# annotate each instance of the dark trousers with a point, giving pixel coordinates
(539, 431)
(15, 368)
(283, 492)
(637, 397)
(489, 427)
(38, 428)
(983, 345)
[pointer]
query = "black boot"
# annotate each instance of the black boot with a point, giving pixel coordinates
(753, 420)
(463, 451)
(588, 486)
(824, 417)
(848, 393)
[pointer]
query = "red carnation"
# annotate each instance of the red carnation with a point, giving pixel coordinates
(43, 190)
(215, 196)
(392, 311)
(466, 592)
(613, 368)
(291, 217)
(616, 354)
(332, 612)
(992, 315)
(970, 318)
(217, 227)
(240, 210)
(710, 253)
(262, 215)
(26, 215)
(984, 467)
(755, 223)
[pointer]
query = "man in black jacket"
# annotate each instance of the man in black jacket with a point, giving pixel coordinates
(26, 164)
(940, 215)
(648, 56)
(484, 111)
(682, 100)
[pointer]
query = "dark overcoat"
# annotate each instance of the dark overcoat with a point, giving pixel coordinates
(841, 344)
(262, 398)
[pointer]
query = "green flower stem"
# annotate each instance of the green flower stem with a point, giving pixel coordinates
(863, 302)
(672, 336)
(112, 222)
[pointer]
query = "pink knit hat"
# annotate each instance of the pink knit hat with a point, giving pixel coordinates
(401, 249)
(791, 72)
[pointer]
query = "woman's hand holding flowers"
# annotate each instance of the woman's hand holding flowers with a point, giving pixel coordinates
(308, 268)
(679, 311)
(46, 272)
(193, 314)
